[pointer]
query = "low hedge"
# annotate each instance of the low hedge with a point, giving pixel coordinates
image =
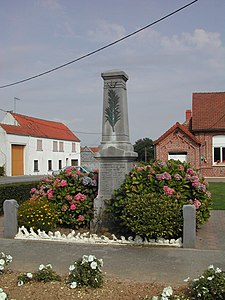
(18, 191)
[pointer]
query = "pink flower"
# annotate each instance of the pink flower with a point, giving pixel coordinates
(73, 207)
(56, 183)
(80, 218)
(69, 198)
(140, 168)
(197, 203)
(190, 171)
(33, 190)
(168, 190)
(50, 194)
(177, 177)
(80, 197)
(63, 183)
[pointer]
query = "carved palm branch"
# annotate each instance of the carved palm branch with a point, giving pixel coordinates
(112, 112)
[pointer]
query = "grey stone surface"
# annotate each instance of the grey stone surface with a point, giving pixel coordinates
(116, 153)
(189, 230)
(10, 208)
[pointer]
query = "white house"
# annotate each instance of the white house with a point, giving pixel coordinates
(31, 146)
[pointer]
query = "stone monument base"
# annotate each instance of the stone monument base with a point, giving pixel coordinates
(112, 173)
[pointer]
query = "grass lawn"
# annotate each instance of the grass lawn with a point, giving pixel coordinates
(218, 194)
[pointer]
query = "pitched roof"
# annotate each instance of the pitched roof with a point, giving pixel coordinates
(208, 111)
(179, 127)
(39, 128)
(93, 149)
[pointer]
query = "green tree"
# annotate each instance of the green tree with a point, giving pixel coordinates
(145, 149)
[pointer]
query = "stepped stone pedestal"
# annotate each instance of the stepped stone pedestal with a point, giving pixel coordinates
(116, 154)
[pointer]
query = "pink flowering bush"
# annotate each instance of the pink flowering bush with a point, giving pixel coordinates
(159, 185)
(72, 192)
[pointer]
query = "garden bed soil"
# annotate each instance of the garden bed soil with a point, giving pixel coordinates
(113, 289)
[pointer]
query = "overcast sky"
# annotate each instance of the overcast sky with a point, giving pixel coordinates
(165, 63)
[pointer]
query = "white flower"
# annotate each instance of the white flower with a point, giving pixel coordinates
(73, 285)
(155, 298)
(84, 259)
(49, 266)
(2, 268)
(41, 267)
(167, 291)
(29, 275)
(93, 265)
(2, 254)
(211, 267)
(187, 279)
(218, 270)
(196, 279)
(2, 262)
(20, 283)
(91, 258)
(9, 258)
(72, 267)
(101, 262)
(3, 295)
(210, 277)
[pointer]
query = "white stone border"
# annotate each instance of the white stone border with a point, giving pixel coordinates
(88, 238)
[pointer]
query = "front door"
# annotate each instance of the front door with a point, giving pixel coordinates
(17, 160)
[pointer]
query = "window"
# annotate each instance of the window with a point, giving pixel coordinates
(61, 146)
(219, 149)
(60, 164)
(73, 147)
(55, 146)
(49, 165)
(39, 145)
(36, 166)
(74, 162)
(181, 156)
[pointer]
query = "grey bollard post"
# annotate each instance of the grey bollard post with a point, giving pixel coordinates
(189, 226)
(10, 208)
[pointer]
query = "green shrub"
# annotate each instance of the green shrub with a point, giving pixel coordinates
(210, 285)
(18, 191)
(86, 272)
(152, 216)
(2, 171)
(170, 180)
(44, 274)
(5, 259)
(40, 214)
(73, 193)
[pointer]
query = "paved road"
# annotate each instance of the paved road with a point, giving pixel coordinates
(143, 264)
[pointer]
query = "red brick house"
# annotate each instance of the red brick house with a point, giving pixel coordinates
(200, 140)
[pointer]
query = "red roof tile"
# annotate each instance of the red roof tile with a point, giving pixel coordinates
(173, 128)
(208, 111)
(93, 149)
(39, 128)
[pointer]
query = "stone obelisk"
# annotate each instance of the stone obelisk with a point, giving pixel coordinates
(116, 154)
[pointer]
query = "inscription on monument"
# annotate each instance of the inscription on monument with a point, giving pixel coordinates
(112, 175)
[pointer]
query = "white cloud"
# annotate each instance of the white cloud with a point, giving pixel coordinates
(106, 32)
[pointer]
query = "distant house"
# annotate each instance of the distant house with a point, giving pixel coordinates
(31, 146)
(88, 157)
(200, 140)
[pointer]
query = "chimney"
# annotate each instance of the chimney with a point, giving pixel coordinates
(188, 114)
